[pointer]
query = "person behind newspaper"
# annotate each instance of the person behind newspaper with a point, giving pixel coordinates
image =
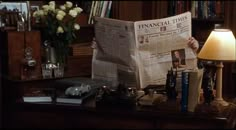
(192, 43)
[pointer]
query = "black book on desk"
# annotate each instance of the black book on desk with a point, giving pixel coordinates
(36, 99)
(75, 99)
(76, 83)
(37, 95)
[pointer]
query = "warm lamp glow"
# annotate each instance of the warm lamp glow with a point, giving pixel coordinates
(220, 46)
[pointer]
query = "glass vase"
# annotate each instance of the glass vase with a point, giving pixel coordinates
(49, 53)
(59, 70)
(46, 71)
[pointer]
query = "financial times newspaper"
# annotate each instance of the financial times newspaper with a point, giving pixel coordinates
(142, 52)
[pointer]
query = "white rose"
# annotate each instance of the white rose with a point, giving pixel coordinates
(35, 14)
(60, 30)
(40, 12)
(61, 13)
(69, 4)
(78, 10)
(56, 10)
(76, 26)
(52, 3)
(62, 7)
(45, 12)
(45, 7)
(73, 13)
(59, 17)
(51, 8)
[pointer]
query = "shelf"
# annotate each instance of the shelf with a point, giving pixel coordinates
(209, 20)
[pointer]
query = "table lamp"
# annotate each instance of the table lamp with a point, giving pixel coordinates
(219, 47)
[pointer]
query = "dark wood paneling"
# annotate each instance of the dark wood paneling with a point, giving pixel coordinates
(79, 66)
(229, 22)
(230, 15)
(154, 9)
(15, 53)
(127, 10)
(1, 105)
(139, 10)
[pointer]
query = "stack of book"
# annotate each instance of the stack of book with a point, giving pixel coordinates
(75, 100)
(61, 97)
(35, 95)
(100, 9)
(36, 99)
(199, 9)
(207, 9)
(191, 89)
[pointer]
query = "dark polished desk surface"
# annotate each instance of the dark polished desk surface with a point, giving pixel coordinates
(55, 115)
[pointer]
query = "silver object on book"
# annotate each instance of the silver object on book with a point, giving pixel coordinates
(77, 90)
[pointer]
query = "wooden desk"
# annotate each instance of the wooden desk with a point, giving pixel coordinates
(52, 115)
(23, 115)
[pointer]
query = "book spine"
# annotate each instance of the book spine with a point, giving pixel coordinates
(205, 9)
(193, 9)
(174, 6)
(100, 8)
(104, 8)
(196, 8)
(109, 9)
(218, 9)
(195, 82)
(184, 96)
(200, 9)
(91, 12)
(94, 11)
(211, 7)
(178, 7)
(170, 9)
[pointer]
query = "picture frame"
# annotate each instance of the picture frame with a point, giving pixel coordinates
(15, 7)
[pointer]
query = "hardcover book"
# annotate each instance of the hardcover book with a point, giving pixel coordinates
(185, 86)
(62, 97)
(195, 82)
(37, 99)
(75, 99)
(36, 95)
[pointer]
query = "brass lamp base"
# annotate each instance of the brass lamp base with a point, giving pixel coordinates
(219, 102)
(215, 107)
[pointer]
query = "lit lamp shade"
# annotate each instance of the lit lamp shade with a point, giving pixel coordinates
(220, 46)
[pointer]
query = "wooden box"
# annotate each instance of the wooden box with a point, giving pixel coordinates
(17, 42)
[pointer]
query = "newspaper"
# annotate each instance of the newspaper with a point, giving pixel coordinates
(143, 51)
(114, 57)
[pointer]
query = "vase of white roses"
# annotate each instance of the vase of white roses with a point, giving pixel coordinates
(59, 25)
